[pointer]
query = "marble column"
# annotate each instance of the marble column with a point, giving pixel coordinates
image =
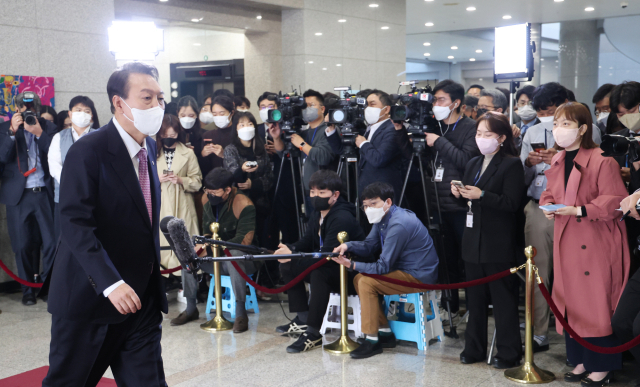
(578, 58)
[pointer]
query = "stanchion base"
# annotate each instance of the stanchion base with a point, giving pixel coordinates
(529, 373)
(343, 345)
(218, 323)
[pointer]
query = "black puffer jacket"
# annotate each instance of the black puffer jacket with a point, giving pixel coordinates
(454, 149)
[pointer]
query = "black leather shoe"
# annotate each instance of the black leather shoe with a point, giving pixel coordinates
(586, 382)
(387, 341)
(28, 299)
(504, 364)
(464, 359)
(366, 349)
(539, 348)
(184, 318)
(574, 378)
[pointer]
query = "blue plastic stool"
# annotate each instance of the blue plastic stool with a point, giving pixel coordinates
(229, 299)
(413, 326)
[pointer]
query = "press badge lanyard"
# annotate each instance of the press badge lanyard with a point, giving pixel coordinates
(440, 169)
(470, 213)
(29, 172)
(539, 182)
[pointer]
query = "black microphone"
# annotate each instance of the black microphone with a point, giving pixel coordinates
(164, 223)
(183, 246)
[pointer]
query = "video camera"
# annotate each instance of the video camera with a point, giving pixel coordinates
(616, 145)
(349, 115)
(288, 114)
(30, 116)
(415, 107)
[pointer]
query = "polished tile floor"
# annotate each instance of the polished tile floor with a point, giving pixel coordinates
(193, 357)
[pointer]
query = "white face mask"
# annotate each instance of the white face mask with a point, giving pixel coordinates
(526, 113)
(372, 115)
(221, 121)
(243, 110)
(264, 114)
(206, 117)
(81, 119)
(187, 122)
(602, 117)
(375, 215)
(147, 121)
(247, 133)
(546, 119)
(442, 112)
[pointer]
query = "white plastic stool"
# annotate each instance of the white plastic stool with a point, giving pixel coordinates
(332, 315)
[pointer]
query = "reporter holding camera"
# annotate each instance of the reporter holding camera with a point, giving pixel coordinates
(493, 190)
(451, 150)
(380, 156)
(27, 188)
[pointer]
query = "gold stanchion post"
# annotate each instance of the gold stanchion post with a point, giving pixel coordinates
(344, 344)
(529, 372)
(218, 323)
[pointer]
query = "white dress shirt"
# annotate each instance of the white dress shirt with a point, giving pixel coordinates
(372, 130)
(55, 155)
(133, 148)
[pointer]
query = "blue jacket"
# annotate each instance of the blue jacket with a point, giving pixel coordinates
(406, 246)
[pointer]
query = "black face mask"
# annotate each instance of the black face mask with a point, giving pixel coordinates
(320, 204)
(214, 200)
(169, 142)
(481, 112)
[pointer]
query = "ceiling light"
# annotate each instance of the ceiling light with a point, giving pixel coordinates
(427, 54)
(506, 17)
(472, 59)
(259, 17)
(479, 79)
(426, 44)
(558, 1)
(384, 28)
(479, 51)
(429, 24)
(342, 21)
(324, 68)
(196, 44)
(556, 61)
(318, 33)
(471, 8)
(542, 59)
(589, 9)
(454, 47)
(195, 20)
(338, 65)
(428, 0)
(163, 1)
(450, 57)
(310, 62)
(373, 5)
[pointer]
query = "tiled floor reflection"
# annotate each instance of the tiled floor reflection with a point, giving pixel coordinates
(194, 358)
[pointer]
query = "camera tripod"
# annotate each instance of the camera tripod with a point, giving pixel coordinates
(293, 154)
(349, 159)
(418, 145)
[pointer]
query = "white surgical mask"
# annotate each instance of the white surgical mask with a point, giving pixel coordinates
(442, 112)
(527, 113)
(264, 114)
(187, 122)
(602, 117)
(372, 115)
(147, 121)
(206, 117)
(81, 119)
(546, 119)
(221, 121)
(247, 133)
(375, 215)
(243, 110)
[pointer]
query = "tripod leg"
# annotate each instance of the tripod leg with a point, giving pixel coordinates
(406, 179)
(340, 164)
(348, 182)
(275, 193)
(355, 167)
(304, 196)
(295, 198)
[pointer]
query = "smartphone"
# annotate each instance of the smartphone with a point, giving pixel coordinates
(538, 146)
(457, 183)
(252, 164)
(552, 207)
(209, 140)
(166, 172)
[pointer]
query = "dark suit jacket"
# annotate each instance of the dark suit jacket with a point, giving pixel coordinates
(380, 159)
(493, 236)
(13, 182)
(106, 232)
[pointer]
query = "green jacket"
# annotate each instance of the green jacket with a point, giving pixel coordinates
(237, 218)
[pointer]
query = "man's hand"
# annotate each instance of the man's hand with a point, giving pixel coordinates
(628, 204)
(270, 148)
(548, 154)
(296, 140)
(36, 129)
(342, 249)
(342, 261)
(625, 173)
(282, 249)
(534, 158)
(431, 138)
(125, 299)
(359, 140)
(16, 121)
(515, 130)
(274, 129)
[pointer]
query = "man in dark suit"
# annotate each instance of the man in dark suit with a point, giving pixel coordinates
(380, 155)
(27, 190)
(105, 293)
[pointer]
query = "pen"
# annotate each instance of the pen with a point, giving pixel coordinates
(624, 216)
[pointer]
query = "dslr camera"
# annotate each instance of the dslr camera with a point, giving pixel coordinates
(30, 116)
(614, 145)
(288, 114)
(349, 115)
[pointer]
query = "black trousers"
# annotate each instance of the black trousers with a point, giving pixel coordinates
(593, 361)
(504, 294)
(34, 211)
(56, 221)
(323, 281)
(81, 352)
(452, 228)
(626, 319)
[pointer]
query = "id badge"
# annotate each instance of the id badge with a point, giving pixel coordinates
(439, 174)
(539, 180)
(470, 219)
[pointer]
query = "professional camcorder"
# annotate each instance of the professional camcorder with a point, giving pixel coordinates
(415, 108)
(288, 114)
(30, 115)
(615, 145)
(349, 116)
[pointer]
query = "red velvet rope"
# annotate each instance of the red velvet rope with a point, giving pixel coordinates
(169, 271)
(580, 340)
(460, 285)
(20, 280)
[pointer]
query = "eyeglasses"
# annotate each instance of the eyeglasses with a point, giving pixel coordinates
(485, 107)
(372, 205)
(521, 104)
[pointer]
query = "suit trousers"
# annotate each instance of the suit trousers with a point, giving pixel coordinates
(626, 319)
(82, 351)
(538, 232)
(369, 290)
(33, 211)
(504, 295)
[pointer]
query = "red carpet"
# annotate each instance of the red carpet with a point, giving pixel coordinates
(34, 378)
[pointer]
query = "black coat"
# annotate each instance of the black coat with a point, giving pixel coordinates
(623, 161)
(493, 237)
(455, 149)
(106, 232)
(13, 181)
